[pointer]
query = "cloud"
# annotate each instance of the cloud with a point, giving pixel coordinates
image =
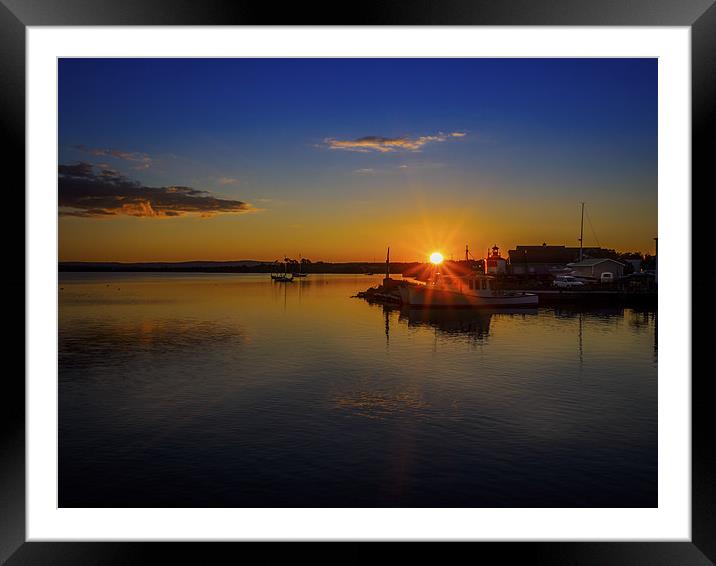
(366, 171)
(227, 181)
(143, 160)
(385, 145)
(84, 193)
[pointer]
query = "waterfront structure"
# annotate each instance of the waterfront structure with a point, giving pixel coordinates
(494, 262)
(595, 267)
(547, 259)
(540, 260)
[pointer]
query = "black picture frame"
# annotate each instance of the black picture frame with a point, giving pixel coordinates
(16, 15)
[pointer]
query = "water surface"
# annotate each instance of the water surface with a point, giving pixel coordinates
(234, 391)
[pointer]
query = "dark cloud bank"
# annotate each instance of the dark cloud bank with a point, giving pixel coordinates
(89, 194)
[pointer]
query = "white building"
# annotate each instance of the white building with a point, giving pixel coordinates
(495, 263)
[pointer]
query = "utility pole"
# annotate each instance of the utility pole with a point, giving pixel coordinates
(467, 251)
(581, 234)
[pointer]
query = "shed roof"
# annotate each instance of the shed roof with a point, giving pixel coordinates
(541, 254)
(591, 262)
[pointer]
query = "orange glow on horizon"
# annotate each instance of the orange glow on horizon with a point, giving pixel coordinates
(333, 233)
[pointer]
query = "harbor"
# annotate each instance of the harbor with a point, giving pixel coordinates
(492, 282)
(390, 294)
(529, 276)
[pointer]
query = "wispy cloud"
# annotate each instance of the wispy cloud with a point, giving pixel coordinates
(89, 194)
(227, 181)
(366, 171)
(143, 160)
(385, 145)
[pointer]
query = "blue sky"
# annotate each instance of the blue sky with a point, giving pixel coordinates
(278, 133)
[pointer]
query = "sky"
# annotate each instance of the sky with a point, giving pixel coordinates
(334, 159)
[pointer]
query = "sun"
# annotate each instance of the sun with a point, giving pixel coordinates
(436, 258)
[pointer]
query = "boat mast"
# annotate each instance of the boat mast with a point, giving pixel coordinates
(581, 234)
(387, 264)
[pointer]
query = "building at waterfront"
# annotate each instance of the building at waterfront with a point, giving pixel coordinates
(544, 259)
(595, 267)
(539, 260)
(494, 262)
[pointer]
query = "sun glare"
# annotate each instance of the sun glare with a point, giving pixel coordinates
(436, 258)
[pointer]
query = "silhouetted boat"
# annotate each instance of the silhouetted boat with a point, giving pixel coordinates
(300, 272)
(281, 276)
(474, 291)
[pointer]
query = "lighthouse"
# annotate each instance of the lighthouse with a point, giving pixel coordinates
(495, 263)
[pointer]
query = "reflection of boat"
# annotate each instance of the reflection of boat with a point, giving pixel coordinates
(474, 291)
(451, 321)
(458, 321)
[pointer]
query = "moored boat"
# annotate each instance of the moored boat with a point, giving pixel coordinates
(300, 272)
(280, 276)
(472, 291)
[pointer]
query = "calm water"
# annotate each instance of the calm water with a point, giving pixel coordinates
(234, 391)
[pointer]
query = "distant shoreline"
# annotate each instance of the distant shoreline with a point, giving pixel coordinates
(356, 268)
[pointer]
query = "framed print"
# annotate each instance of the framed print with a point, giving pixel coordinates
(392, 279)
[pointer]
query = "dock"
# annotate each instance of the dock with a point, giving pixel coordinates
(388, 294)
(551, 296)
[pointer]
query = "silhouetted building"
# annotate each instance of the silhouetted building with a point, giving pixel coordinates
(635, 264)
(595, 267)
(544, 259)
(539, 260)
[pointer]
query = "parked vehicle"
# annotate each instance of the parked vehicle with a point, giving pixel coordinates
(607, 277)
(567, 281)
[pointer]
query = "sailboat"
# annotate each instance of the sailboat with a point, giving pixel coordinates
(300, 272)
(281, 276)
(571, 266)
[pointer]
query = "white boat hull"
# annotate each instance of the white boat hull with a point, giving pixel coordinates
(425, 296)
